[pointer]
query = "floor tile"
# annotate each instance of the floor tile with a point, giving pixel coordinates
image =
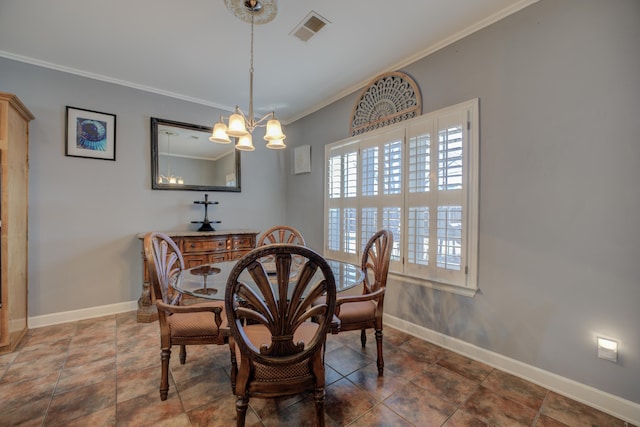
(345, 391)
(103, 418)
(496, 410)
(141, 382)
(221, 412)
(380, 416)
(86, 374)
(330, 375)
(422, 349)
(54, 349)
(264, 408)
(515, 388)
(26, 414)
(15, 394)
(346, 360)
(198, 391)
(464, 366)
(380, 387)
(106, 372)
(300, 414)
(7, 359)
(546, 421)
(395, 338)
(420, 408)
(80, 402)
(575, 414)
(461, 418)
(80, 355)
(200, 361)
(49, 334)
(403, 363)
(149, 409)
(23, 371)
(447, 385)
(137, 359)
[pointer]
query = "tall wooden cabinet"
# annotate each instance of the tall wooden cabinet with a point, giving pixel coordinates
(14, 164)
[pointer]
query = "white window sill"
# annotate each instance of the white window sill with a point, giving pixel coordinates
(445, 287)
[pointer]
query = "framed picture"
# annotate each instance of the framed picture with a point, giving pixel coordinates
(91, 134)
(302, 159)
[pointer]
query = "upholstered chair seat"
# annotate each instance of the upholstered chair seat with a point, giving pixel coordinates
(357, 312)
(198, 324)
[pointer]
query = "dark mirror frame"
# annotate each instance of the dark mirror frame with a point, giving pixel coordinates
(155, 185)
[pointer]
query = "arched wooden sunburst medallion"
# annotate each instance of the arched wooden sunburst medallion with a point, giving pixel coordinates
(390, 98)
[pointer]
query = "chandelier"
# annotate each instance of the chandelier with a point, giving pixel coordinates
(169, 178)
(240, 126)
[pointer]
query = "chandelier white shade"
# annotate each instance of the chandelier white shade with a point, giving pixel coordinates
(244, 143)
(219, 134)
(238, 125)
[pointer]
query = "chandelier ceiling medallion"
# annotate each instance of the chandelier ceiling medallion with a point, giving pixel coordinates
(238, 125)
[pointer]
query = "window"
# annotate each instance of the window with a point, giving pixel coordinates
(418, 179)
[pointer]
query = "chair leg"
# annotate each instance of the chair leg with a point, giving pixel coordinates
(319, 401)
(241, 410)
(363, 338)
(165, 355)
(183, 354)
(379, 345)
(234, 371)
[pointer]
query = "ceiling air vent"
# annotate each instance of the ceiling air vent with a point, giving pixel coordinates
(309, 27)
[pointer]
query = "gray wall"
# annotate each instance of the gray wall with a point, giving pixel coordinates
(559, 89)
(84, 213)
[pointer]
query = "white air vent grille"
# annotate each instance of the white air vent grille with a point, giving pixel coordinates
(309, 26)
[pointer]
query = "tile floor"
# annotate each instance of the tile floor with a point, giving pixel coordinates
(106, 372)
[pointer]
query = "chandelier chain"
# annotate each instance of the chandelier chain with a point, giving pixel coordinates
(251, 119)
(251, 63)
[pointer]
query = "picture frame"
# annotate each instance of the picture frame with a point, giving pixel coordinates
(302, 159)
(90, 134)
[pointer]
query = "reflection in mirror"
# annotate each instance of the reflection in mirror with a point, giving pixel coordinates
(183, 158)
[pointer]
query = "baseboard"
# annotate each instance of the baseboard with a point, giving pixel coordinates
(618, 407)
(85, 313)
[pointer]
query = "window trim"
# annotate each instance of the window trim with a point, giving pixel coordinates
(471, 184)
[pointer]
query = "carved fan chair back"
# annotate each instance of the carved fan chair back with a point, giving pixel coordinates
(202, 323)
(282, 234)
(277, 350)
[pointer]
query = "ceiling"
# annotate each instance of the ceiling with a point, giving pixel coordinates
(198, 51)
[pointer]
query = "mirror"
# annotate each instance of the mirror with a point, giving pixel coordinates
(183, 158)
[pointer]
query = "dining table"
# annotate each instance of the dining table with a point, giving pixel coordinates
(209, 281)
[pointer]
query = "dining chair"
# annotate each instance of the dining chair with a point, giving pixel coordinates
(365, 311)
(194, 324)
(277, 350)
(281, 234)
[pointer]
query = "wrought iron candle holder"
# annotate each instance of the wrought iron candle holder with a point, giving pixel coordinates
(206, 224)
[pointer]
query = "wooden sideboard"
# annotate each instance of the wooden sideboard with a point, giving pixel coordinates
(197, 247)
